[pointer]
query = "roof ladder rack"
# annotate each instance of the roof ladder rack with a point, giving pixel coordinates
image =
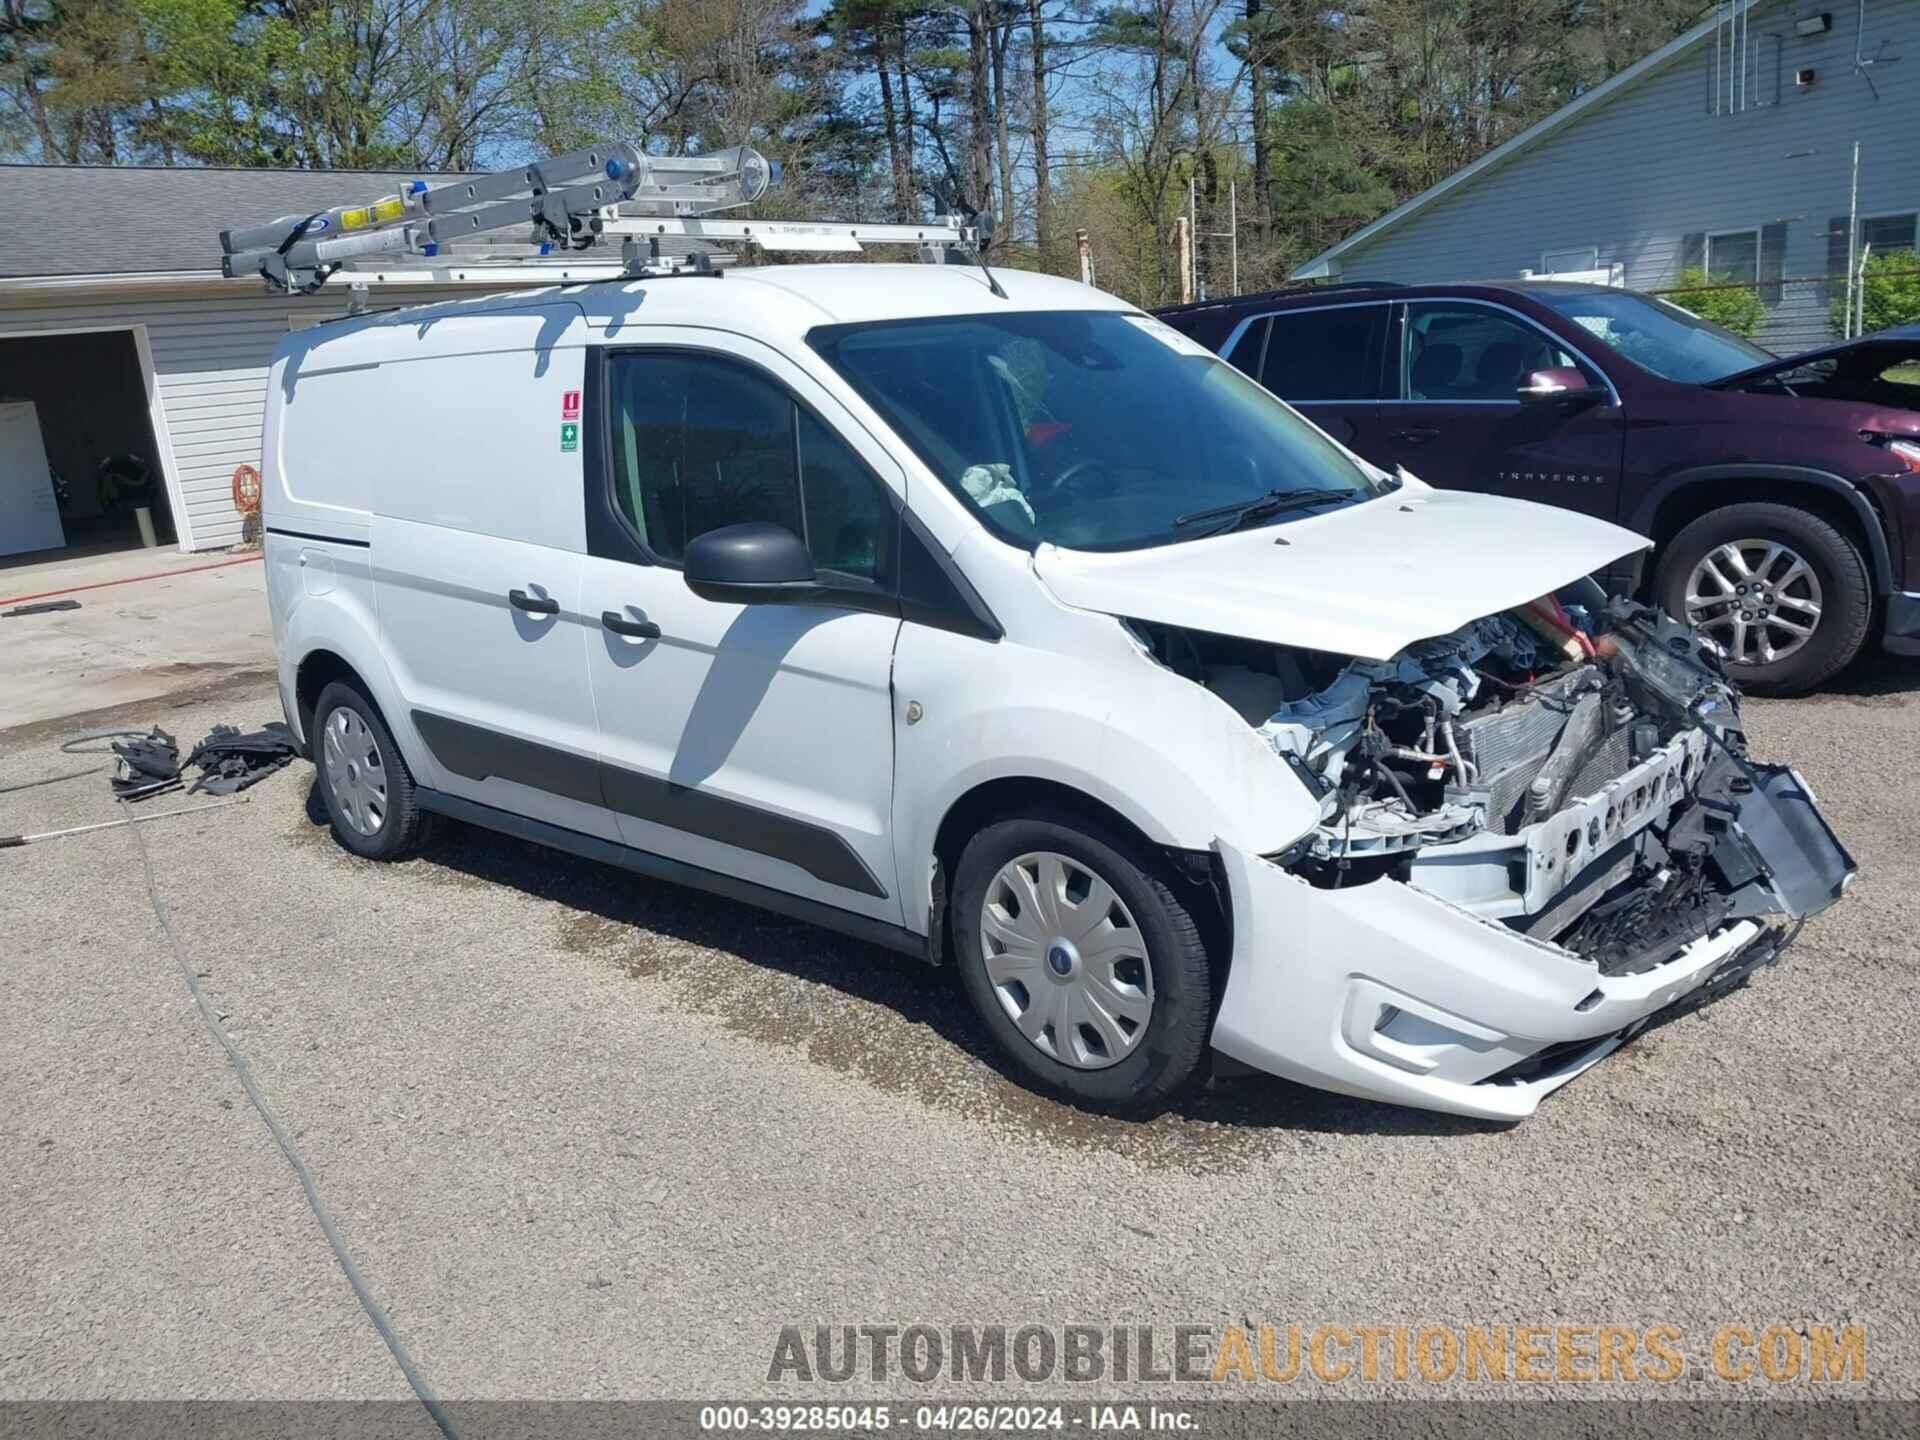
(582, 201)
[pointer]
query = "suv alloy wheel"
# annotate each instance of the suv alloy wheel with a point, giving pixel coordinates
(1785, 595)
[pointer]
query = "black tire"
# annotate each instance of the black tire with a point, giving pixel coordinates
(1845, 582)
(1166, 1056)
(401, 825)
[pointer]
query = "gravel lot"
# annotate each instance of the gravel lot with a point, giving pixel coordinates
(588, 1136)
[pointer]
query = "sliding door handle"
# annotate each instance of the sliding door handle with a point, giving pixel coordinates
(1416, 434)
(533, 604)
(634, 629)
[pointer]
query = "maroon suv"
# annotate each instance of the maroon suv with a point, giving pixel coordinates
(1783, 495)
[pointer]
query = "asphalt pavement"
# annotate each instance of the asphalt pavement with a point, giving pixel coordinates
(591, 1136)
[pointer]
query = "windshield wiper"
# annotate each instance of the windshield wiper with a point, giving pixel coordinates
(1260, 507)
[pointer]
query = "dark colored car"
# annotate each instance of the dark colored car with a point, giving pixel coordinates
(1783, 495)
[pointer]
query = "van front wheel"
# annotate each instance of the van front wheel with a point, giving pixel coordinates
(1082, 961)
(367, 788)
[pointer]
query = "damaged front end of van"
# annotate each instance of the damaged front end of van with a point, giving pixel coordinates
(1538, 834)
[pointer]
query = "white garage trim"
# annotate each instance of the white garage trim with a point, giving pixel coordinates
(205, 358)
(205, 344)
(156, 411)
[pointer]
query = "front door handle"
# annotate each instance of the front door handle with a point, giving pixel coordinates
(635, 629)
(533, 604)
(1416, 434)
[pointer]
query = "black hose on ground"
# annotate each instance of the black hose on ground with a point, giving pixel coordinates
(381, 1323)
(50, 780)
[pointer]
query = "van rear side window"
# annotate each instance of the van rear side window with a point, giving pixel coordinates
(700, 442)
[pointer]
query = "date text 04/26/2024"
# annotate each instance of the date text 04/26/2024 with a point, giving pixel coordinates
(947, 1418)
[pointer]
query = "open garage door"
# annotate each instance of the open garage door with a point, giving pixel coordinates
(79, 463)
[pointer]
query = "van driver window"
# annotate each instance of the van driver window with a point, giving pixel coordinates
(700, 442)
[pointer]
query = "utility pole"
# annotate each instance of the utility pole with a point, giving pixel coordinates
(1860, 294)
(1853, 241)
(1183, 249)
(1193, 229)
(1233, 234)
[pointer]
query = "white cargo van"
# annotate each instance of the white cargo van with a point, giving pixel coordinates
(1019, 633)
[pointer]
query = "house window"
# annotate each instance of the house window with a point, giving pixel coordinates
(1888, 232)
(1733, 258)
(1561, 262)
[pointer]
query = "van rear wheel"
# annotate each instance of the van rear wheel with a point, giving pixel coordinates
(364, 781)
(1785, 595)
(1082, 961)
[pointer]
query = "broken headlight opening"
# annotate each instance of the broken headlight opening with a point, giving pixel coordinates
(1573, 769)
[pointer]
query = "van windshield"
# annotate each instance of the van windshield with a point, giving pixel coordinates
(1096, 430)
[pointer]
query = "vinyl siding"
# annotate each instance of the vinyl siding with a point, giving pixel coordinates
(211, 346)
(1651, 165)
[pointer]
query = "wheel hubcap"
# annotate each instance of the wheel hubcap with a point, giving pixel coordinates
(1066, 960)
(355, 776)
(1756, 599)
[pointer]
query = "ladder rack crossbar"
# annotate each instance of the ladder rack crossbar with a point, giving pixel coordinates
(695, 228)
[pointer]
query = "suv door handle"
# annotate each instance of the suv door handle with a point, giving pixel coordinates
(533, 604)
(1416, 434)
(637, 629)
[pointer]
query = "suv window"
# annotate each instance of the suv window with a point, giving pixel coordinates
(700, 441)
(1471, 352)
(1326, 354)
(1249, 348)
(1662, 338)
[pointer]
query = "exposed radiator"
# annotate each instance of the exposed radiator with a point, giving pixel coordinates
(1612, 759)
(1508, 746)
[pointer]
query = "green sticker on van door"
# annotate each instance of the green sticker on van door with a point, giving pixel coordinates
(569, 437)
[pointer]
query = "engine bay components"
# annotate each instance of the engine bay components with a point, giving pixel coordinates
(1555, 768)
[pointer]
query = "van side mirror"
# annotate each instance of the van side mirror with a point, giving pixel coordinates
(1557, 382)
(755, 563)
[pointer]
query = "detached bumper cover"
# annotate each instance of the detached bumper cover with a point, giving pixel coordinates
(1384, 991)
(1798, 867)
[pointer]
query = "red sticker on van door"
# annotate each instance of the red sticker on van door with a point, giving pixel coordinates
(570, 405)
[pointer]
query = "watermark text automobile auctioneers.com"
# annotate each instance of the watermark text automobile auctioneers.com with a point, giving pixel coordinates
(1736, 1352)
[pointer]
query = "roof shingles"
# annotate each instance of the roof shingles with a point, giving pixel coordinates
(73, 220)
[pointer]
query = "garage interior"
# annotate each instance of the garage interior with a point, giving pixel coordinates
(89, 399)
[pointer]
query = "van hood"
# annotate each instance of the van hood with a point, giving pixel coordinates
(1367, 580)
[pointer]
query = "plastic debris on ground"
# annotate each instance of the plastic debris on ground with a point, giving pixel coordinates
(148, 765)
(45, 608)
(228, 760)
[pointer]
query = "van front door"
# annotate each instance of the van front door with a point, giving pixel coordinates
(1456, 420)
(756, 740)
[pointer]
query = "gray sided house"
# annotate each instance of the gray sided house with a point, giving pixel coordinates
(1729, 150)
(120, 338)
